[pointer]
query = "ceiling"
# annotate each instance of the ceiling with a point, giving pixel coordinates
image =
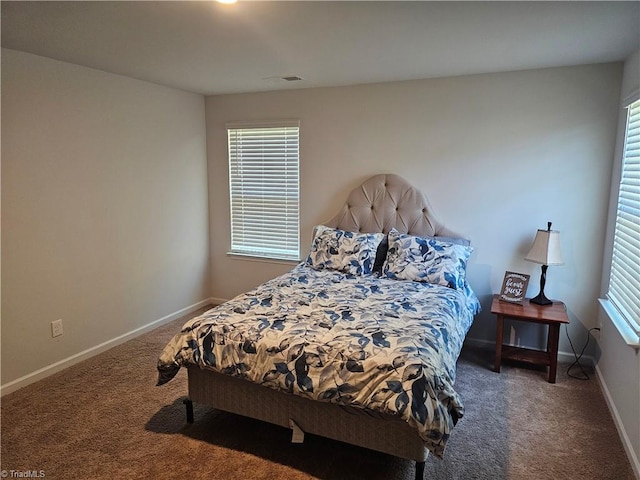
(211, 48)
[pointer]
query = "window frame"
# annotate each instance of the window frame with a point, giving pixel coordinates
(247, 238)
(615, 307)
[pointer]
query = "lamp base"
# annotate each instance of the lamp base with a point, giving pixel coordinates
(540, 299)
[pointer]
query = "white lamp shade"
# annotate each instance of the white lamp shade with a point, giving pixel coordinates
(546, 248)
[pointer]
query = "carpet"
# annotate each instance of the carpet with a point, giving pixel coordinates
(104, 418)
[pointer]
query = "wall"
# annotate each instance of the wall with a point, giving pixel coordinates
(104, 209)
(618, 364)
(498, 155)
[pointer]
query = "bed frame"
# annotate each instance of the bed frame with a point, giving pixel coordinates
(382, 202)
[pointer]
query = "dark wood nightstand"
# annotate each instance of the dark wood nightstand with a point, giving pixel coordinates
(552, 315)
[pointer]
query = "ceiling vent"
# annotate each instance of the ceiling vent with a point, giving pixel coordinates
(286, 78)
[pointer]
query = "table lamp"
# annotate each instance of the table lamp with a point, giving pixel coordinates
(546, 251)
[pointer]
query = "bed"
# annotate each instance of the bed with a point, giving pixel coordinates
(357, 343)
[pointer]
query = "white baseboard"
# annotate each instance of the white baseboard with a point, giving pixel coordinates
(626, 442)
(218, 301)
(90, 352)
(565, 357)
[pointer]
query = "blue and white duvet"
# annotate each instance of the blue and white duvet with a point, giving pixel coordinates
(364, 341)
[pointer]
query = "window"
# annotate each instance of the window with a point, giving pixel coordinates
(624, 282)
(264, 190)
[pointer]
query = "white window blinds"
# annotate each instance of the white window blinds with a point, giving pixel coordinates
(624, 283)
(264, 190)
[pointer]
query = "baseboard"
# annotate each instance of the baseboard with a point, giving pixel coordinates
(626, 442)
(564, 357)
(218, 301)
(90, 352)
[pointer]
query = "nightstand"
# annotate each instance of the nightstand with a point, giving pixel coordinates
(552, 315)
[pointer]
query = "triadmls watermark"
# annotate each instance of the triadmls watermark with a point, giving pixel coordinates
(22, 474)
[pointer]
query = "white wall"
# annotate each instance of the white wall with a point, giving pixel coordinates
(497, 154)
(104, 193)
(104, 208)
(619, 364)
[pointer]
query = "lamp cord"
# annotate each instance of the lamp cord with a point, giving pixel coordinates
(578, 357)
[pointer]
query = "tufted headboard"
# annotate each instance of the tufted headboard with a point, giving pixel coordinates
(388, 201)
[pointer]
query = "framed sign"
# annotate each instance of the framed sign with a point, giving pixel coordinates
(514, 287)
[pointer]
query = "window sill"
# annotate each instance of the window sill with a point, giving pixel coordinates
(630, 337)
(256, 258)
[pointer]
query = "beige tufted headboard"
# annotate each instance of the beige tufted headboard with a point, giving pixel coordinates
(388, 201)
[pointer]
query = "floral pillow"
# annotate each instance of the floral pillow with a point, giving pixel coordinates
(348, 252)
(426, 260)
(381, 254)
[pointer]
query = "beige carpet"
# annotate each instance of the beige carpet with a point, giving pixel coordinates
(106, 419)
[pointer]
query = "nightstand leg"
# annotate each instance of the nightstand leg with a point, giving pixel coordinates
(553, 339)
(499, 332)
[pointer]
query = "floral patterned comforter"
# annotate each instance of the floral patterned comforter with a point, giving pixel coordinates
(385, 345)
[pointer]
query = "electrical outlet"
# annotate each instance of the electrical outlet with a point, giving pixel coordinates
(56, 328)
